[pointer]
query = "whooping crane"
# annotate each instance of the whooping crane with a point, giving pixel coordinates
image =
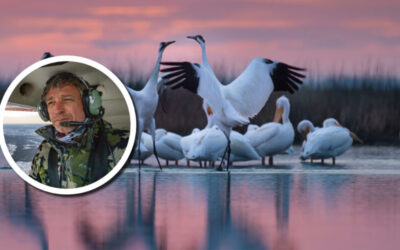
(233, 104)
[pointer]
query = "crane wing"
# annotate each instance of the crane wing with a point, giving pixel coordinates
(249, 92)
(198, 79)
(182, 74)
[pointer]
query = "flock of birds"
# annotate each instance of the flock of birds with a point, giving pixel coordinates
(228, 106)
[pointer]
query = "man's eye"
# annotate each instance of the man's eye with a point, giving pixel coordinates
(50, 103)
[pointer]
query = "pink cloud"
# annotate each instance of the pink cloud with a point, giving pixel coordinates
(232, 23)
(148, 11)
(64, 23)
(236, 31)
(384, 27)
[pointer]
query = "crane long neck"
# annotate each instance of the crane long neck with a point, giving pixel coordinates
(204, 56)
(154, 75)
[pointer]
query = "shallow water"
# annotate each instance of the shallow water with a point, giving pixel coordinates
(293, 205)
(354, 205)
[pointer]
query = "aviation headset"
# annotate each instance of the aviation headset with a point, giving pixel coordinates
(91, 100)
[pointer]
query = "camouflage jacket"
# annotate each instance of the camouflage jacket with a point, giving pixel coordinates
(70, 165)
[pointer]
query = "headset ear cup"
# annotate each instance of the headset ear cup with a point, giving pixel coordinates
(91, 101)
(85, 102)
(42, 110)
(94, 102)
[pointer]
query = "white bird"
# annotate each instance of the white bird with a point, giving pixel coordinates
(328, 142)
(146, 101)
(273, 137)
(205, 145)
(146, 148)
(168, 145)
(233, 104)
(241, 148)
(289, 151)
(252, 127)
(187, 141)
(304, 128)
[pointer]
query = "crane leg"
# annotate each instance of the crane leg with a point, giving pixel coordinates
(153, 135)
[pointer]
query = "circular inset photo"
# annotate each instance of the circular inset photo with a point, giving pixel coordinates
(68, 125)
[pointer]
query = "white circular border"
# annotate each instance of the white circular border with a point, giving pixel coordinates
(124, 157)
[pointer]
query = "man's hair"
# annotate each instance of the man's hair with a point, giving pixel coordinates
(62, 79)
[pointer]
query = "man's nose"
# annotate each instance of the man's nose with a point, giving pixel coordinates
(58, 107)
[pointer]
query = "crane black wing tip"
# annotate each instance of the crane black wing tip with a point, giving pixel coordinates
(287, 78)
(293, 70)
(295, 79)
(296, 75)
(181, 74)
(176, 79)
(171, 70)
(174, 74)
(174, 63)
(293, 85)
(296, 68)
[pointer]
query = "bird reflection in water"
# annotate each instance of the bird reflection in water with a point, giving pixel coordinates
(21, 212)
(144, 223)
(134, 228)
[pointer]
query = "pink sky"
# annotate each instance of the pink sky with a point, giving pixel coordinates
(325, 36)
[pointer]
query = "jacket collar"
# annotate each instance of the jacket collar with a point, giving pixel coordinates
(79, 139)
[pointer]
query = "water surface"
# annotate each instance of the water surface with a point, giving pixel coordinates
(355, 205)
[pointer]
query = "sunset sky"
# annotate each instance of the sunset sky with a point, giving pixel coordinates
(326, 36)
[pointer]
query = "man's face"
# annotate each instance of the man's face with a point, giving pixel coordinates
(64, 104)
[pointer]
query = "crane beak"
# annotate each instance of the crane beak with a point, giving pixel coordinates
(355, 137)
(163, 45)
(191, 37)
(278, 114)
